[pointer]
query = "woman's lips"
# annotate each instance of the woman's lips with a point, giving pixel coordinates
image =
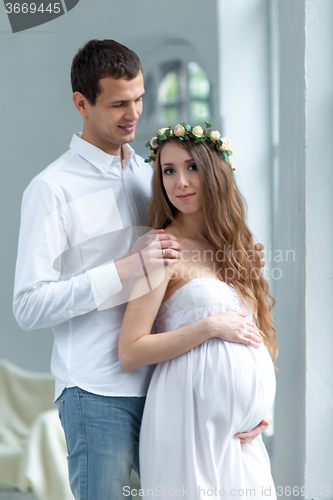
(185, 197)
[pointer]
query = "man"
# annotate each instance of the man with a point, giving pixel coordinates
(75, 258)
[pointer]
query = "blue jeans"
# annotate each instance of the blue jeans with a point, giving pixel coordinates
(102, 435)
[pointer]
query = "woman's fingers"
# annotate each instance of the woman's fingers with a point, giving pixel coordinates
(253, 333)
(250, 334)
(235, 327)
(251, 341)
(247, 326)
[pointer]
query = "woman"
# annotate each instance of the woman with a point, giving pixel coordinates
(198, 401)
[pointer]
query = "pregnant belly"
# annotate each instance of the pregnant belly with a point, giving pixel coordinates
(226, 385)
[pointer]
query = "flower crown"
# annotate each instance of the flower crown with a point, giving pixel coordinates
(185, 132)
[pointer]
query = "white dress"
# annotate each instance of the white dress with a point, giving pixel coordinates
(197, 402)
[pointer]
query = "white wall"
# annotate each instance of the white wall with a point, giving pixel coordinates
(245, 105)
(319, 245)
(304, 406)
(289, 440)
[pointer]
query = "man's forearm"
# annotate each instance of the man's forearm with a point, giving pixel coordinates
(51, 303)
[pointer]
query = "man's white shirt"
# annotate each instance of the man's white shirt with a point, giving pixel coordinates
(76, 218)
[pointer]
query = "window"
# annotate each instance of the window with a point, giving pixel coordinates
(184, 94)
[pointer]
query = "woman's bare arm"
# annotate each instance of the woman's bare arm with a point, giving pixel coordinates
(137, 347)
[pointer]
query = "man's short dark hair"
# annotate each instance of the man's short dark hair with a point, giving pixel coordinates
(100, 59)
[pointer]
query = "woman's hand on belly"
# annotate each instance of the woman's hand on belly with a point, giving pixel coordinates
(235, 327)
(248, 436)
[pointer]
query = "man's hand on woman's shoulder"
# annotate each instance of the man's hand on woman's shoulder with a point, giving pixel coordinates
(150, 251)
(259, 249)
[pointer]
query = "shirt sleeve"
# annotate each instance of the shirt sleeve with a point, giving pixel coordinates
(44, 296)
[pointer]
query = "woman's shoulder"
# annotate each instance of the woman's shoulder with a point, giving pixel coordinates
(174, 231)
(171, 229)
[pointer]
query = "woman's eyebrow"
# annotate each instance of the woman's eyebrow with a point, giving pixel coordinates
(171, 164)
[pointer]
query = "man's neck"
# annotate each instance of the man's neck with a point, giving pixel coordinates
(110, 149)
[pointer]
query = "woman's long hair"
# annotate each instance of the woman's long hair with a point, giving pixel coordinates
(224, 214)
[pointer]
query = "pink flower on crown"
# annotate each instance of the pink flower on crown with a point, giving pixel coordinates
(153, 142)
(226, 144)
(179, 130)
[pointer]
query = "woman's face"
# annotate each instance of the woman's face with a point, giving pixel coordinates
(181, 178)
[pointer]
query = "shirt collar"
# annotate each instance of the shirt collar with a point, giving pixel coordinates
(128, 155)
(94, 155)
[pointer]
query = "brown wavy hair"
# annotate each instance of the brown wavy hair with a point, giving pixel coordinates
(227, 231)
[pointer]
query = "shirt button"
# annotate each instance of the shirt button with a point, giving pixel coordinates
(111, 293)
(81, 310)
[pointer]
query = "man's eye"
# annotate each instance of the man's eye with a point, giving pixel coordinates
(117, 105)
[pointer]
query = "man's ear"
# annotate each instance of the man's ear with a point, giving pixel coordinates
(81, 103)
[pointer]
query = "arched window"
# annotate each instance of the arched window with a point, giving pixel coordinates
(181, 87)
(184, 93)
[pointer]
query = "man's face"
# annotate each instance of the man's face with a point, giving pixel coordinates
(111, 122)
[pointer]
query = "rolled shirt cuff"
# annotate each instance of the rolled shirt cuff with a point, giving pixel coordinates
(105, 282)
